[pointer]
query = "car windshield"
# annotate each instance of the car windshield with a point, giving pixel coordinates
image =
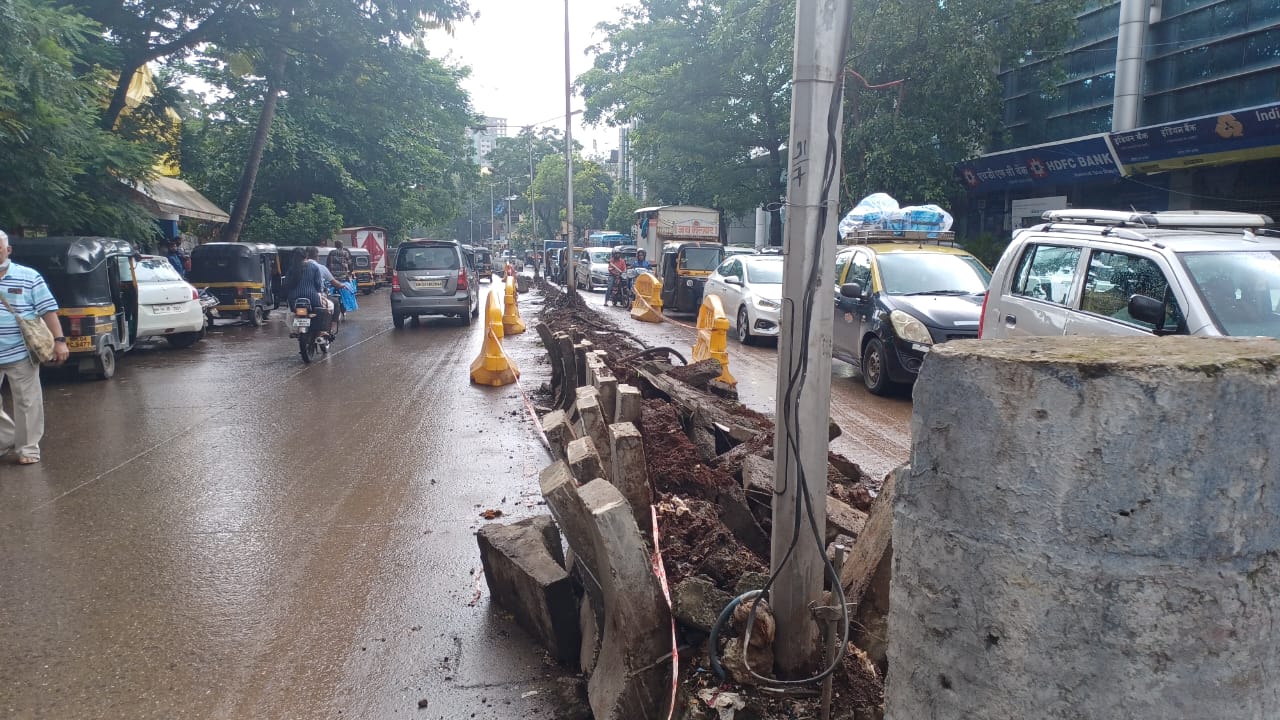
(151, 270)
(1240, 289)
(928, 273)
(764, 272)
(700, 258)
(599, 256)
(438, 257)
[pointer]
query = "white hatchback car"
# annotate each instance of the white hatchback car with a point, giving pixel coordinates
(750, 288)
(168, 306)
(1105, 272)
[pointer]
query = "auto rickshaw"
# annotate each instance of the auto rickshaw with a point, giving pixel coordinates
(93, 281)
(245, 277)
(484, 263)
(362, 270)
(684, 270)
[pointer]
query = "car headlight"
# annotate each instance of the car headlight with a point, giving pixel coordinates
(767, 304)
(909, 328)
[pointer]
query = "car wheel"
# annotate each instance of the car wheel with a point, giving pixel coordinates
(875, 371)
(257, 317)
(104, 365)
(397, 320)
(744, 327)
(183, 340)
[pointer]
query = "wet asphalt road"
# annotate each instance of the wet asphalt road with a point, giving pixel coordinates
(876, 430)
(223, 532)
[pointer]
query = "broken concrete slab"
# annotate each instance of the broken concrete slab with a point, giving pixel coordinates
(627, 684)
(584, 460)
(524, 569)
(559, 433)
(843, 519)
(866, 575)
(630, 471)
(591, 421)
(696, 602)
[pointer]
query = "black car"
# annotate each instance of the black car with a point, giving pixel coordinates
(895, 301)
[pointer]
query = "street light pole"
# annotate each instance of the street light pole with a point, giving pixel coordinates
(533, 206)
(491, 233)
(572, 287)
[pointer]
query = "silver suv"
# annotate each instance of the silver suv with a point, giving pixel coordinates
(433, 277)
(1106, 272)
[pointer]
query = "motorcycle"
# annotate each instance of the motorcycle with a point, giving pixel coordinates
(311, 341)
(623, 290)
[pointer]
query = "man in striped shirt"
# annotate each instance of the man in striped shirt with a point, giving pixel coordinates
(25, 290)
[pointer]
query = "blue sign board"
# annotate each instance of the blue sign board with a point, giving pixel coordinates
(1247, 134)
(1086, 159)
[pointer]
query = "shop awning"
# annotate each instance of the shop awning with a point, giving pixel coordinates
(171, 196)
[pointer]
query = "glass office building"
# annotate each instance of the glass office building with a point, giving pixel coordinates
(1207, 105)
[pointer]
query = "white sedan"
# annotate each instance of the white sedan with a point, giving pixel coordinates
(168, 306)
(750, 288)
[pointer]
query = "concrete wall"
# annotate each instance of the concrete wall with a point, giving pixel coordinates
(1089, 529)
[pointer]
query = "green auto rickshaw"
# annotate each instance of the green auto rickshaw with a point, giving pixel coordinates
(92, 278)
(684, 269)
(245, 277)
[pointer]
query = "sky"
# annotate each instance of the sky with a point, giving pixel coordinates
(515, 50)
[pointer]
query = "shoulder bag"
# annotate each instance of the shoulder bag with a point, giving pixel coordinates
(35, 334)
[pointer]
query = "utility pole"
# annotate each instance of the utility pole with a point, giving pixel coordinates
(491, 217)
(797, 546)
(571, 284)
(533, 207)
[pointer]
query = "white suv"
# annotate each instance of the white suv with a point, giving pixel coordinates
(1106, 272)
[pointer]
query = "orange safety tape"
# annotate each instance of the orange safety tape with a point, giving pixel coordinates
(661, 572)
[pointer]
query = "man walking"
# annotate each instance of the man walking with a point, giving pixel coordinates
(26, 292)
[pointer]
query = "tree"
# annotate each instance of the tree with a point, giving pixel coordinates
(622, 210)
(709, 84)
(591, 193)
(309, 223)
(905, 139)
(57, 167)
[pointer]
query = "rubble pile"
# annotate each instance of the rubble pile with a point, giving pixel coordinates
(630, 431)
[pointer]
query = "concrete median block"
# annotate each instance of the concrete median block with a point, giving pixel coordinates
(607, 386)
(584, 460)
(559, 433)
(628, 407)
(591, 421)
(630, 474)
(523, 567)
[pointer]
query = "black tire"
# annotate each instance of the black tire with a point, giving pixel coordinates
(104, 365)
(256, 316)
(367, 291)
(743, 328)
(266, 312)
(183, 340)
(305, 347)
(397, 320)
(875, 371)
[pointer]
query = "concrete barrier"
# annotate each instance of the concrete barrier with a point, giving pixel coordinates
(713, 337)
(1089, 529)
(493, 367)
(511, 322)
(647, 307)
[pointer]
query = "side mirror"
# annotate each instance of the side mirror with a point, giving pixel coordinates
(1146, 309)
(731, 280)
(851, 290)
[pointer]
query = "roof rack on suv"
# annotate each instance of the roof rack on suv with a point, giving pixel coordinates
(866, 236)
(1168, 219)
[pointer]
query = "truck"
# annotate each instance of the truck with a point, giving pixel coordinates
(662, 224)
(373, 239)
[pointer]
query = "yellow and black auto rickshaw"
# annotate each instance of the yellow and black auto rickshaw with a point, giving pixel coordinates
(93, 281)
(484, 264)
(245, 277)
(684, 270)
(363, 270)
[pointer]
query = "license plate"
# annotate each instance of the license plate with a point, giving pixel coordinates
(302, 322)
(80, 343)
(241, 303)
(166, 309)
(427, 284)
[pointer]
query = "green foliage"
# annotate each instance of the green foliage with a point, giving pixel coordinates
(622, 210)
(309, 223)
(592, 189)
(57, 169)
(904, 140)
(987, 247)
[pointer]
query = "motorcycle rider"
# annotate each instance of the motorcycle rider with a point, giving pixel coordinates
(617, 266)
(641, 262)
(310, 285)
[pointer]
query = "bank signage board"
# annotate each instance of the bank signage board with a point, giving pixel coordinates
(1084, 159)
(1248, 134)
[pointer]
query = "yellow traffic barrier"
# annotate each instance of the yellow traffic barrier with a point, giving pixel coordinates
(493, 367)
(713, 337)
(647, 307)
(511, 322)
